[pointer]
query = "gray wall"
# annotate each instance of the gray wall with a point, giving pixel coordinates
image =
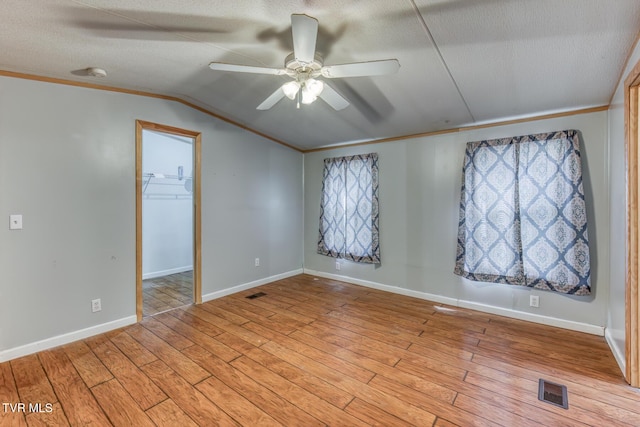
(419, 200)
(618, 209)
(67, 165)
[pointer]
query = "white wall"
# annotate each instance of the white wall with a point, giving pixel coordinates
(67, 163)
(167, 206)
(419, 201)
(618, 208)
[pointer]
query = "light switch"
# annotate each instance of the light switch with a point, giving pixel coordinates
(15, 222)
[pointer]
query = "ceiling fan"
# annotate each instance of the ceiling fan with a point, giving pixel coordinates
(305, 66)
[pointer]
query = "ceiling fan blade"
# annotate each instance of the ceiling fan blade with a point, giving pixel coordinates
(271, 100)
(304, 30)
(221, 66)
(361, 69)
(333, 98)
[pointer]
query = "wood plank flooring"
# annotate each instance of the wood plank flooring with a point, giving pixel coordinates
(166, 293)
(317, 352)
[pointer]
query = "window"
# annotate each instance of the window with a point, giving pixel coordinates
(349, 209)
(522, 213)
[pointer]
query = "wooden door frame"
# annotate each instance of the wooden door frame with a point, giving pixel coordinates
(632, 296)
(197, 258)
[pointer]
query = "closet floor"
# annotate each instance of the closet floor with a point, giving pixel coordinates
(167, 292)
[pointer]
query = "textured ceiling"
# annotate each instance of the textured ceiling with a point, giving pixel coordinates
(462, 61)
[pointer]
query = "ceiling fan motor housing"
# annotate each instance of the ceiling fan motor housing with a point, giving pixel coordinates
(298, 67)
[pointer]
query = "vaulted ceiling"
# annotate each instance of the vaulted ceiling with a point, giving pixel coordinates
(463, 62)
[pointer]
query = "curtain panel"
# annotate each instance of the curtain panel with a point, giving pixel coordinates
(349, 209)
(522, 213)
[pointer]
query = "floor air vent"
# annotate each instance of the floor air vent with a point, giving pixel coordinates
(555, 394)
(258, 295)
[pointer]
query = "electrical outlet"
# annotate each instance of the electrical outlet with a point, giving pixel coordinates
(338, 265)
(534, 300)
(96, 305)
(15, 222)
(257, 262)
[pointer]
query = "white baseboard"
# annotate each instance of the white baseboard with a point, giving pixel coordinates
(245, 286)
(618, 353)
(514, 314)
(162, 273)
(56, 341)
(535, 318)
(388, 288)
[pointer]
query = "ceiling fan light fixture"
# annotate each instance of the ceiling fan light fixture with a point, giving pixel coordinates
(311, 90)
(314, 86)
(308, 97)
(291, 89)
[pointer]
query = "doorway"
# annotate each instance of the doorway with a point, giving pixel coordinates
(167, 218)
(632, 294)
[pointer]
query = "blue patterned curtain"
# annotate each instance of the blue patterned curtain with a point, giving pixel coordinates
(349, 209)
(522, 214)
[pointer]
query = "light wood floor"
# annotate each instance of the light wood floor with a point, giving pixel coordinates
(316, 352)
(167, 292)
